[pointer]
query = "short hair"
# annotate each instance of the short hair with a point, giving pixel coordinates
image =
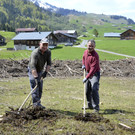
(92, 41)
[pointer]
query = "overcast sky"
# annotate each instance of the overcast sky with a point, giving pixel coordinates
(108, 7)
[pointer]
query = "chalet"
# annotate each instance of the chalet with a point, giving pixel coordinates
(19, 30)
(65, 38)
(128, 34)
(30, 40)
(70, 32)
(2, 40)
(112, 35)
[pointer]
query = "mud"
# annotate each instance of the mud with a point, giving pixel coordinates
(91, 117)
(20, 118)
(61, 68)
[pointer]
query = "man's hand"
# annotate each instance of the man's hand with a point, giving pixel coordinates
(37, 81)
(44, 74)
(84, 80)
(83, 67)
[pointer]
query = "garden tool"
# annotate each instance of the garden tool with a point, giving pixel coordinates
(28, 97)
(84, 96)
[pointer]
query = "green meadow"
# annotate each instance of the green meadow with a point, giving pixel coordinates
(62, 52)
(65, 97)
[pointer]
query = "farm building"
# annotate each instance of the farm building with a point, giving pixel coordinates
(112, 35)
(128, 34)
(2, 40)
(19, 30)
(30, 40)
(70, 32)
(65, 38)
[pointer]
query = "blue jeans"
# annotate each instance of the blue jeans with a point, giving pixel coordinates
(92, 88)
(37, 93)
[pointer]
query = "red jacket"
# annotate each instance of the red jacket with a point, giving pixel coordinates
(91, 63)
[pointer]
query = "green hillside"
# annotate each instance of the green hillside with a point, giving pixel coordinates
(23, 14)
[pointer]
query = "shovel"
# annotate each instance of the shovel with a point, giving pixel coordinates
(84, 96)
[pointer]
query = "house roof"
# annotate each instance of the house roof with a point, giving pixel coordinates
(31, 36)
(67, 35)
(25, 29)
(65, 31)
(127, 30)
(112, 34)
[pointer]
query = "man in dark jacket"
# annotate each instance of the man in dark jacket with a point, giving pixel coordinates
(91, 65)
(39, 65)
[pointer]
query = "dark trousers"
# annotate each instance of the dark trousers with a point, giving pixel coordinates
(92, 94)
(37, 93)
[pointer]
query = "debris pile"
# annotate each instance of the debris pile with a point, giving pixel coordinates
(91, 117)
(19, 118)
(67, 68)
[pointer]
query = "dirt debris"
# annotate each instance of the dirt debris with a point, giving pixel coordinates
(67, 68)
(26, 115)
(91, 117)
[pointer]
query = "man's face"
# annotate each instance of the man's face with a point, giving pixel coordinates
(43, 47)
(90, 46)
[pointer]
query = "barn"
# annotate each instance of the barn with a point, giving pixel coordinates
(20, 30)
(128, 35)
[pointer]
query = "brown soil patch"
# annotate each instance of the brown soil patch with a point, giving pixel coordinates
(121, 68)
(91, 117)
(20, 118)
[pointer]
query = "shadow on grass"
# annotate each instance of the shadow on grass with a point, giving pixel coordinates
(116, 111)
(68, 113)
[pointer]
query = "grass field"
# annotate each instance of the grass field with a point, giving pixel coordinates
(65, 95)
(70, 53)
(59, 53)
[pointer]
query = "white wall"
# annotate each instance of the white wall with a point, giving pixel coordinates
(23, 47)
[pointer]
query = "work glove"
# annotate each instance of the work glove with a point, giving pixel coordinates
(84, 80)
(37, 81)
(83, 67)
(44, 74)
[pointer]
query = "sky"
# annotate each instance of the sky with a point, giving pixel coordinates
(108, 7)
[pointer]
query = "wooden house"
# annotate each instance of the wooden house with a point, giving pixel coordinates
(20, 30)
(30, 40)
(70, 32)
(65, 38)
(2, 40)
(128, 35)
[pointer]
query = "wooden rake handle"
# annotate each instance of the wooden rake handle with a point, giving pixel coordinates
(84, 96)
(28, 97)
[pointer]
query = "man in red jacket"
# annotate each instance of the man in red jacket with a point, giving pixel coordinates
(90, 63)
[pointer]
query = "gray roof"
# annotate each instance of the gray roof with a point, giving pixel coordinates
(31, 36)
(112, 34)
(68, 35)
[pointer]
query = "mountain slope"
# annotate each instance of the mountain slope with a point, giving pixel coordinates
(62, 11)
(55, 9)
(24, 14)
(16, 13)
